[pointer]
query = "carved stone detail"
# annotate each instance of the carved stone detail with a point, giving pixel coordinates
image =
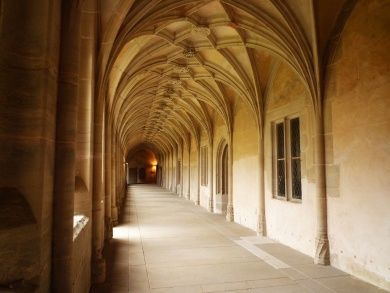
(181, 68)
(176, 81)
(169, 91)
(189, 52)
(201, 30)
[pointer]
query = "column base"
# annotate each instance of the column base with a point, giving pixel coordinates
(211, 205)
(230, 213)
(261, 230)
(108, 229)
(98, 271)
(114, 216)
(322, 250)
(197, 202)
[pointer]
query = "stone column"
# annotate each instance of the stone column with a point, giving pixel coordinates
(189, 171)
(85, 108)
(181, 170)
(174, 168)
(29, 50)
(322, 243)
(171, 184)
(162, 170)
(107, 177)
(167, 164)
(98, 263)
(114, 209)
(261, 227)
(166, 172)
(117, 178)
(197, 202)
(65, 151)
(210, 176)
(230, 209)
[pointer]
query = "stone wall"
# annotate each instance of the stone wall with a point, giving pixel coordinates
(29, 51)
(245, 167)
(358, 145)
(292, 223)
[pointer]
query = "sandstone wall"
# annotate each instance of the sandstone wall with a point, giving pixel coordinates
(358, 145)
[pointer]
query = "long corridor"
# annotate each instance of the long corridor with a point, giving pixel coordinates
(167, 244)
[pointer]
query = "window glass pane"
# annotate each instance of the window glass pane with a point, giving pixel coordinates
(296, 178)
(295, 138)
(280, 140)
(281, 178)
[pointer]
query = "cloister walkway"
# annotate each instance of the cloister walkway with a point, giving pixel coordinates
(167, 244)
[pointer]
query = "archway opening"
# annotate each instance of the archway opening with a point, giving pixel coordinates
(222, 179)
(142, 167)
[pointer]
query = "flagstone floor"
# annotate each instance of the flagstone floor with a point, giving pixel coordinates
(167, 244)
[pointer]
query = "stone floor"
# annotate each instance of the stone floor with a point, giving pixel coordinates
(167, 244)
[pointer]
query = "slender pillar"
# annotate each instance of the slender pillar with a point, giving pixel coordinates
(261, 227)
(107, 178)
(166, 161)
(189, 171)
(172, 171)
(114, 209)
(197, 202)
(83, 205)
(181, 171)
(230, 209)
(210, 176)
(65, 151)
(168, 175)
(98, 263)
(322, 242)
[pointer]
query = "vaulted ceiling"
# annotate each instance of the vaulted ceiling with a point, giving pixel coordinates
(168, 66)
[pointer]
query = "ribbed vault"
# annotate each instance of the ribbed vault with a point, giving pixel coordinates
(174, 63)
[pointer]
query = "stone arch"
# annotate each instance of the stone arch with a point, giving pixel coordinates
(222, 177)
